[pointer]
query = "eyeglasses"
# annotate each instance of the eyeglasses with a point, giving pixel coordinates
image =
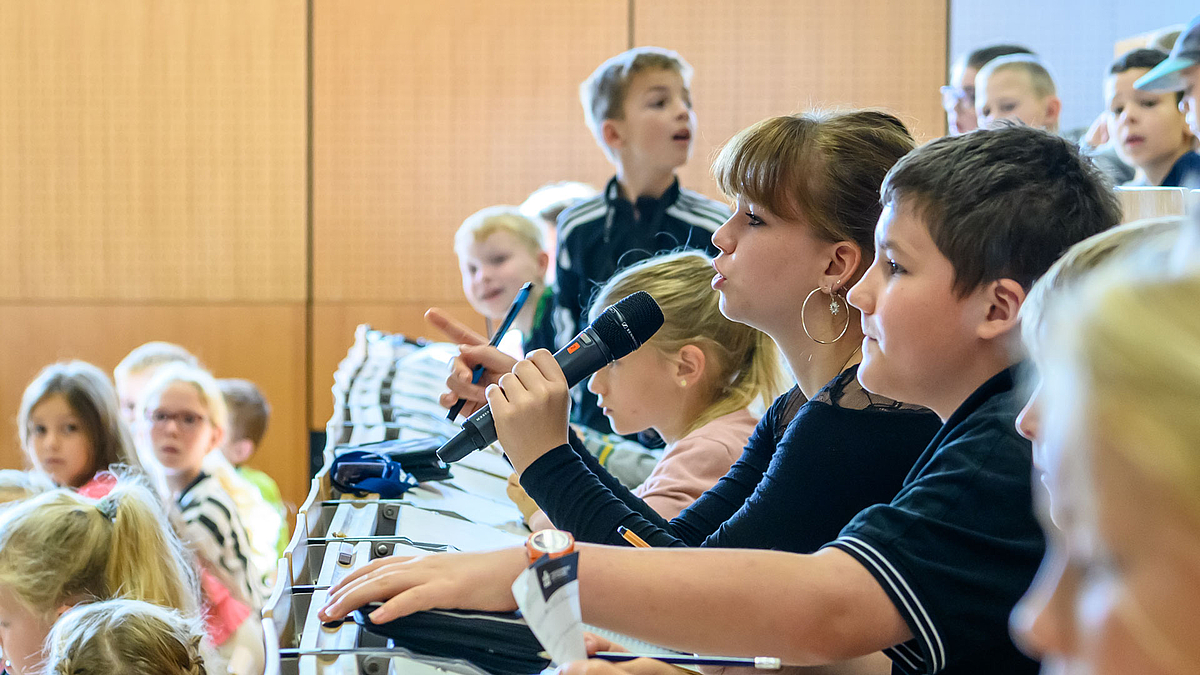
(952, 96)
(187, 420)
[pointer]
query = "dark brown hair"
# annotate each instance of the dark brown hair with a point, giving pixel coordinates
(91, 396)
(1002, 203)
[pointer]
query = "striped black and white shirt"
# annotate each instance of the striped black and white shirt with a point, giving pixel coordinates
(215, 532)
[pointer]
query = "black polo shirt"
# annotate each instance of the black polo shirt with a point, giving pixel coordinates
(959, 544)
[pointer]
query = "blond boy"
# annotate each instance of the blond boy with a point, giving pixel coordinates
(638, 106)
(499, 250)
(958, 97)
(1016, 88)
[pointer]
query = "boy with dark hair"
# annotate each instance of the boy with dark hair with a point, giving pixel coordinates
(958, 97)
(249, 414)
(968, 224)
(1147, 129)
(1180, 72)
(638, 106)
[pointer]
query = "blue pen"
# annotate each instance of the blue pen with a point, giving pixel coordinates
(477, 372)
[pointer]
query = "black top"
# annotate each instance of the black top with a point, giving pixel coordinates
(602, 235)
(1185, 172)
(807, 469)
(959, 544)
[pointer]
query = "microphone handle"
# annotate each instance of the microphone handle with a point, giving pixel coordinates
(580, 358)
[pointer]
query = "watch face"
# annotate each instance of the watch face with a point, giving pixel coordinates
(550, 541)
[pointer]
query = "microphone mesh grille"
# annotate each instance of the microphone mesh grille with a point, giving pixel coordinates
(628, 323)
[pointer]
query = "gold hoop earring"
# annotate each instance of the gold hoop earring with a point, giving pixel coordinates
(835, 308)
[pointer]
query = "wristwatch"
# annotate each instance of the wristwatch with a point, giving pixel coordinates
(553, 543)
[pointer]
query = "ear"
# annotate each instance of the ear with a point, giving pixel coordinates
(218, 436)
(844, 260)
(1053, 108)
(1002, 300)
(690, 362)
(240, 451)
(62, 609)
(543, 264)
(612, 134)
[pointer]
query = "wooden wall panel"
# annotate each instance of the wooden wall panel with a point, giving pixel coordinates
(262, 343)
(333, 333)
(152, 150)
(758, 58)
(427, 111)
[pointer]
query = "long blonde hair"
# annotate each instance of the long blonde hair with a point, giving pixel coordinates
(124, 637)
(90, 395)
(62, 548)
(744, 364)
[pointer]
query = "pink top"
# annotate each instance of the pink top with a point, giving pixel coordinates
(99, 486)
(695, 463)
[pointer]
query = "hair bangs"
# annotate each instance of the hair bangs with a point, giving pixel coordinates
(761, 164)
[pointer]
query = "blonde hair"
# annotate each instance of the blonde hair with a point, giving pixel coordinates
(743, 363)
(821, 168)
(486, 222)
(205, 385)
(124, 637)
(153, 355)
(62, 548)
(1039, 75)
(603, 92)
(90, 395)
(1123, 350)
(1151, 237)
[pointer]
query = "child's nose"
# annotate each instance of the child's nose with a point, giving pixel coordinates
(594, 384)
(859, 296)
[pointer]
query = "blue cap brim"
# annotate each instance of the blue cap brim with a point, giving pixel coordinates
(1165, 76)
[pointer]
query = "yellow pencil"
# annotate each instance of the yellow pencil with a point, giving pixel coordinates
(631, 537)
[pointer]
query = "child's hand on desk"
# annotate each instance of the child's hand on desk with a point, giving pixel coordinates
(479, 581)
(530, 407)
(473, 351)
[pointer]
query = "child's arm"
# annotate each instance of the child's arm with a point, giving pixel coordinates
(579, 495)
(806, 609)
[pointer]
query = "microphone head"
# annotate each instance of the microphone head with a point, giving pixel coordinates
(628, 323)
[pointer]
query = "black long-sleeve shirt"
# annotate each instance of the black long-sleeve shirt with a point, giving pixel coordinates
(807, 469)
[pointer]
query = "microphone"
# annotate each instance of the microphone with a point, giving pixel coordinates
(619, 330)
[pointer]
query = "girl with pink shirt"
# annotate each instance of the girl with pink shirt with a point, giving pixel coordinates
(693, 382)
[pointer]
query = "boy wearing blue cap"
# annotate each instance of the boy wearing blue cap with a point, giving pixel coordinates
(1180, 72)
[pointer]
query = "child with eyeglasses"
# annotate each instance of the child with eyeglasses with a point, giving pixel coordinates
(187, 419)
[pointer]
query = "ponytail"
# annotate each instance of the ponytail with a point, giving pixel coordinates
(146, 559)
(62, 548)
